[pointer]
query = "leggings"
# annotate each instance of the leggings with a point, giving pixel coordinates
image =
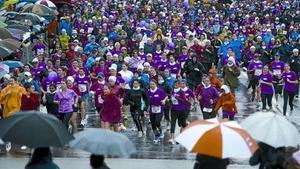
(287, 96)
(137, 118)
(65, 118)
(180, 116)
(155, 120)
(266, 98)
(208, 115)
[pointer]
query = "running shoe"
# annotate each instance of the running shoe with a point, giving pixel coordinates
(172, 141)
(161, 135)
(156, 140)
(8, 146)
(23, 147)
(140, 134)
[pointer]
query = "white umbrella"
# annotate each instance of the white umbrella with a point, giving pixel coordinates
(272, 129)
(103, 142)
(218, 138)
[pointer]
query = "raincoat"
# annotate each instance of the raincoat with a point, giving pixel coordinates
(10, 98)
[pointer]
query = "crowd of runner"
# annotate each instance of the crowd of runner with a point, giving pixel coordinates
(154, 59)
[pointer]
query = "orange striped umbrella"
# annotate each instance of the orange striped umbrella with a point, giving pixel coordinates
(218, 138)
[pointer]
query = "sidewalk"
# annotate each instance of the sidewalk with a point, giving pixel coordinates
(83, 163)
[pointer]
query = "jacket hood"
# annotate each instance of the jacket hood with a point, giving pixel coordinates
(225, 88)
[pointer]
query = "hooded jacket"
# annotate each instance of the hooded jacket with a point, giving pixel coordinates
(226, 101)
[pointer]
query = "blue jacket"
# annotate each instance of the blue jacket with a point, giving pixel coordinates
(223, 50)
(65, 25)
(90, 46)
(237, 47)
(37, 87)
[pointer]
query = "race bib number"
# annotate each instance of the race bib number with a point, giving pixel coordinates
(100, 100)
(40, 51)
(277, 72)
(173, 75)
(205, 109)
(174, 100)
(82, 87)
(155, 109)
(257, 72)
(90, 30)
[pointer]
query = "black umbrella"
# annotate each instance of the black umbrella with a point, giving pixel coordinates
(11, 44)
(4, 52)
(19, 26)
(34, 129)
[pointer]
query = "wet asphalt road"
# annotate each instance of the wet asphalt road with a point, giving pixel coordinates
(146, 148)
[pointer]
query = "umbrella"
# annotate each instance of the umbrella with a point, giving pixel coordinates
(5, 52)
(103, 142)
(4, 69)
(19, 26)
(12, 64)
(272, 129)
(1, 142)
(11, 44)
(2, 24)
(46, 3)
(21, 5)
(4, 33)
(40, 10)
(34, 18)
(16, 33)
(217, 138)
(34, 129)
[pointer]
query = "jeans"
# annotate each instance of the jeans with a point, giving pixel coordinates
(288, 97)
(266, 98)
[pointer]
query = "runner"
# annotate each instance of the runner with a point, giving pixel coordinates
(157, 100)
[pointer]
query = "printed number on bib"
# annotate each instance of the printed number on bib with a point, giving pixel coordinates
(155, 109)
(82, 87)
(174, 100)
(277, 72)
(257, 72)
(207, 109)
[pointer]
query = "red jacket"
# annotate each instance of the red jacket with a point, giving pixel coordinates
(30, 103)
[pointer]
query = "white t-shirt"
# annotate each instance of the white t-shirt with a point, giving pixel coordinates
(126, 75)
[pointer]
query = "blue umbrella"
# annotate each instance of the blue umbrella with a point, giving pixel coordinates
(12, 64)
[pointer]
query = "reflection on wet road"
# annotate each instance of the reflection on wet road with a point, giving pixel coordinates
(146, 148)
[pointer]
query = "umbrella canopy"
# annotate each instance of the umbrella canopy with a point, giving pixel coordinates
(46, 3)
(4, 69)
(34, 129)
(2, 24)
(5, 33)
(40, 10)
(5, 52)
(21, 5)
(1, 142)
(34, 18)
(217, 138)
(12, 64)
(272, 129)
(19, 26)
(103, 142)
(11, 44)
(16, 33)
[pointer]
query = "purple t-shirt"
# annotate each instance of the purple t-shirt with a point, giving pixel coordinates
(155, 98)
(277, 67)
(66, 100)
(258, 68)
(176, 97)
(290, 87)
(162, 64)
(174, 69)
(83, 84)
(208, 93)
(264, 88)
